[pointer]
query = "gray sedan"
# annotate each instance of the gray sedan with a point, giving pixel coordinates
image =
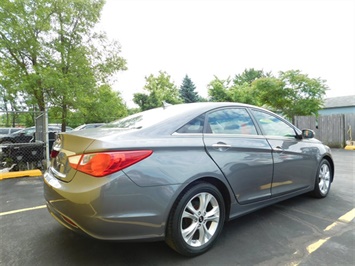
(178, 173)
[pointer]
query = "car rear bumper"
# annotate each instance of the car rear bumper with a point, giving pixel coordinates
(110, 208)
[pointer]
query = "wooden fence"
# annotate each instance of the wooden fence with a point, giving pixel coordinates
(332, 130)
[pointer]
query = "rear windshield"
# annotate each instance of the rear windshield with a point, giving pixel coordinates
(144, 119)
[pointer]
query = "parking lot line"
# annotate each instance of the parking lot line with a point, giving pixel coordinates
(313, 247)
(344, 219)
(23, 210)
(348, 217)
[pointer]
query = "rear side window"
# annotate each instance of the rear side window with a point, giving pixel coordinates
(231, 121)
(194, 126)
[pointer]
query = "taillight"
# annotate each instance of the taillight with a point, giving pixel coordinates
(56, 148)
(54, 153)
(105, 163)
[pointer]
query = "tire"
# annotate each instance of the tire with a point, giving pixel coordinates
(193, 228)
(323, 180)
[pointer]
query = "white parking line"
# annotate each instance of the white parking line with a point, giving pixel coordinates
(23, 210)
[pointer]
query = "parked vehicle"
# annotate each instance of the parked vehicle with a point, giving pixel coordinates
(88, 126)
(8, 130)
(25, 135)
(180, 172)
(67, 128)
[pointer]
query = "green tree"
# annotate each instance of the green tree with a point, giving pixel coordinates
(104, 106)
(187, 91)
(248, 76)
(223, 91)
(244, 93)
(23, 27)
(242, 90)
(292, 93)
(160, 89)
(50, 48)
(271, 93)
(219, 90)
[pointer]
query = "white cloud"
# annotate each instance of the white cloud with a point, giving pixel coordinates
(221, 37)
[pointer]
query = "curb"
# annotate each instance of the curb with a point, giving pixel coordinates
(20, 174)
(349, 148)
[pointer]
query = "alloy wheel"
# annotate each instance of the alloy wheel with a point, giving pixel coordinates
(200, 219)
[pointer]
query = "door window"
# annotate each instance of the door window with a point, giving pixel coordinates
(272, 125)
(231, 121)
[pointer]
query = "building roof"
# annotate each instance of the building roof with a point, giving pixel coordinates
(338, 102)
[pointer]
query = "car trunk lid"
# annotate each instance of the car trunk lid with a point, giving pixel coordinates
(79, 142)
(66, 145)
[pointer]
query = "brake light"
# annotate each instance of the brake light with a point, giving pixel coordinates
(56, 148)
(54, 153)
(105, 163)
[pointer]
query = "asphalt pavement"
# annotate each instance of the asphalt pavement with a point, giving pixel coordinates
(299, 231)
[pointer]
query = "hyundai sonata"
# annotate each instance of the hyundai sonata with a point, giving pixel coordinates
(179, 172)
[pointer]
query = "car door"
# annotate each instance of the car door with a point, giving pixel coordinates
(244, 156)
(295, 161)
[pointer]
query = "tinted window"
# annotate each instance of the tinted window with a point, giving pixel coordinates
(194, 126)
(231, 121)
(148, 118)
(12, 130)
(4, 131)
(28, 131)
(272, 125)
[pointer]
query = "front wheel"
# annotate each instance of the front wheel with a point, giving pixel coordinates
(323, 180)
(196, 220)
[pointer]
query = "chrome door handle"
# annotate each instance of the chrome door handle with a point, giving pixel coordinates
(278, 149)
(221, 146)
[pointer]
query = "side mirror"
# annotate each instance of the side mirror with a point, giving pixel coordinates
(308, 134)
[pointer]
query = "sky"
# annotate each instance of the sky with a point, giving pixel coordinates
(208, 38)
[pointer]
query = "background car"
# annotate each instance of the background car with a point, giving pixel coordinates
(24, 135)
(8, 130)
(180, 172)
(67, 128)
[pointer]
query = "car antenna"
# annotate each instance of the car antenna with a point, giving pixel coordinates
(165, 104)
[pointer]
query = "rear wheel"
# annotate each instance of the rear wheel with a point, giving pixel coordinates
(323, 180)
(196, 220)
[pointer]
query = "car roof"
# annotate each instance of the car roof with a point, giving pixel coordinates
(180, 114)
(166, 119)
(162, 121)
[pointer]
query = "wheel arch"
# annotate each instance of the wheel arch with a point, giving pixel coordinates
(174, 225)
(224, 191)
(213, 181)
(330, 161)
